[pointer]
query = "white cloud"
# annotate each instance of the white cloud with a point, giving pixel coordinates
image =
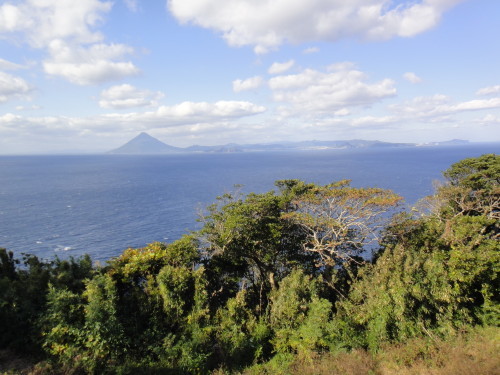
(88, 73)
(339, 88)
(412, 77)
(12, 87)
(8, 65)
(182, 114)
(66, 28)
(29, 108)
(268, 24)
(278, 68)
(12, 19)
(474, 105)
(441, 105)
(189, 112)
(372, 121)
(189, 121)
(132, 5)
(490, 90)
(127, 96)
(92, 65)
(247, 84)
(342, 112)
(42, 21)
(310, 50)
(489, 120)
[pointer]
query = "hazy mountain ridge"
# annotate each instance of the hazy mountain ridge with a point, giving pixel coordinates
(146, 144)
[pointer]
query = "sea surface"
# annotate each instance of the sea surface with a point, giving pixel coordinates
(102, 204)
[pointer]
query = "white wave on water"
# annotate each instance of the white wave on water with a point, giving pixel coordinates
(63, 248)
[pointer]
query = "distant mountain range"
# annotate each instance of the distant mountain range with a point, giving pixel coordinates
(146, 144)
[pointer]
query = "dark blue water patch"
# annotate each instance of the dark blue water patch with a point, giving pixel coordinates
(102, 204)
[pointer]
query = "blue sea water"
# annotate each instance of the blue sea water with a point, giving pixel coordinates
(103, 204)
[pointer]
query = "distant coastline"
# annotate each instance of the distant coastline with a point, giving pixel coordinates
(146, 144)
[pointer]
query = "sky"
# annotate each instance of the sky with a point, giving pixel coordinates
(88, 75)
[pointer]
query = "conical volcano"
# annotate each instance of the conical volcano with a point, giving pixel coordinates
(145, 144)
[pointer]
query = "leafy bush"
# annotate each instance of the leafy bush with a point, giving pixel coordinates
(299, 317)
(437, 273)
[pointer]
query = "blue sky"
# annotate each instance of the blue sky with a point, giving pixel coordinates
(87, 76)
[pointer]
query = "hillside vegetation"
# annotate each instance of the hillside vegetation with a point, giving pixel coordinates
(278, 283)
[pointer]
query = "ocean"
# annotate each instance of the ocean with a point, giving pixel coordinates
(102, 204)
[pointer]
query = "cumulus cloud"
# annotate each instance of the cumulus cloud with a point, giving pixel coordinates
(340, 87)
(12, 18)
(200, 112)
(89, 65)
(278, 68)
(127, 96)
(412, 77)
(12, 87)
(247, 84)
(490, 90)
(43, 21)
(268, 24)
(66, 29)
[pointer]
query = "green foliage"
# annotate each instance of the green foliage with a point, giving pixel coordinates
(476, 173)
(242, 338)
(62, 324)
(436, 277)
(136, 265)
(142, 308)
(189, 349)
(176, 285)
(299, 317)
(104, 337)
(72, 273)
(473, 188)
(9, 298)
(7, 265)
(23, 294)
(247, 239)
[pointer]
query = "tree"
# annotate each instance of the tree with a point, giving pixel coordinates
(436, 273)
(472, 188)
(431, 281)
(340, 220)
(246, 241)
